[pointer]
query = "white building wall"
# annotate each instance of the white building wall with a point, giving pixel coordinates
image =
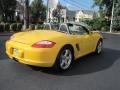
(63, 15)
(81, 16)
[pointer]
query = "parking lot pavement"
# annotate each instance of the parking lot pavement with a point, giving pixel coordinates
(101, 72)
(6, 34)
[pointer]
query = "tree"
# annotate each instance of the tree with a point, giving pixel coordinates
(56, 13)
(7, 9)
(105, 6)
(105, 9)
(38, 11)
(116, 20)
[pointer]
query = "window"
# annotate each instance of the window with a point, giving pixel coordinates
(63, 28)
(77, 29)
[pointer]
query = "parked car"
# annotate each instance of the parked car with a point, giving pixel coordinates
(54, 47)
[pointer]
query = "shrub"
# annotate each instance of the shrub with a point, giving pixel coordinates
(105, 28)
(32, 27)
(7, 27)
(14, 27)
(98, 23)
(19, 26)
(1, 18)
(39, 26)
(1, 28)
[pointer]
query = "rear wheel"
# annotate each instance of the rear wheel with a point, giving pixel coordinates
(64, 59)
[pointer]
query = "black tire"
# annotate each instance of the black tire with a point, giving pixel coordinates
(58, 63)
(98, 47)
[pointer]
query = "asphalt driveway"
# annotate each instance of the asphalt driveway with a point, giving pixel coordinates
(92, 72)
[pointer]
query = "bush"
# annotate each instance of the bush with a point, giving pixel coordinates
(1, 28)
(32, 27)
(7, 27)
(98, 24)
(1, 18)
(19, 26)
(39, 26)
(13, 27)
(105, 28)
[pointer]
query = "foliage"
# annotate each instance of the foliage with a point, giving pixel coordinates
(19, 26)
(116, 25)
(98, 24)
(1, 28)
(38, 11)
(116, 20)
(39, 26)
(56, 12)
(105, 6)
(14, 27)
(7, 9)
(32, 27)
(1, 18)
(105, 9)
(7, 27)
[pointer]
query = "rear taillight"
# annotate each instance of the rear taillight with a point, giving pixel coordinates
(44, 44)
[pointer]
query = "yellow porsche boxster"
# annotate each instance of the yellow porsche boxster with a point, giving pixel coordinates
(54, 46)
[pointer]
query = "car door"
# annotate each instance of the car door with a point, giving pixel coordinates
(85, 41)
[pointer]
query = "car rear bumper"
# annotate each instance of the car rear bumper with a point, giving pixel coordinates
(26, 54)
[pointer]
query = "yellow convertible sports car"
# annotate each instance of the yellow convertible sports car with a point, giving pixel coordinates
(54, 47)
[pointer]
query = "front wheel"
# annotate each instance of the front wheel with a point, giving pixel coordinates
(64, 59)
(99, 48)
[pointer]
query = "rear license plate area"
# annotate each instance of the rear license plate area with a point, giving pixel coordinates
(15, 51)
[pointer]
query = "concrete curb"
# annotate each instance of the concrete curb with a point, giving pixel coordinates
(112, 33)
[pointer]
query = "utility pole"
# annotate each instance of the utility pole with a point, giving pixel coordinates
(111, 25)
(26, 14)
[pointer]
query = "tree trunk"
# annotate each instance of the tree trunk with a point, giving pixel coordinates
(26, 14)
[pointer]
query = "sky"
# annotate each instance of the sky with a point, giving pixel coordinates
(77, 4)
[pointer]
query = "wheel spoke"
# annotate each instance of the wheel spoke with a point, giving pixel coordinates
(66, 58)
(62, 63)
(66, 61)
(66, 53)
(99, 47)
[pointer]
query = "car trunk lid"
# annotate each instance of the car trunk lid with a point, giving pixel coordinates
(31, 37)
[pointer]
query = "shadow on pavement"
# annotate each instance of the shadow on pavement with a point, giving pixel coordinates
(3, 55)
(91, 63)
(2, 47)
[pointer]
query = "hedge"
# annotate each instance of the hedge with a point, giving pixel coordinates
(32, 27)
(39, 26)
(7, 27)
(19, 26)
(13, 27)
(1, 28)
